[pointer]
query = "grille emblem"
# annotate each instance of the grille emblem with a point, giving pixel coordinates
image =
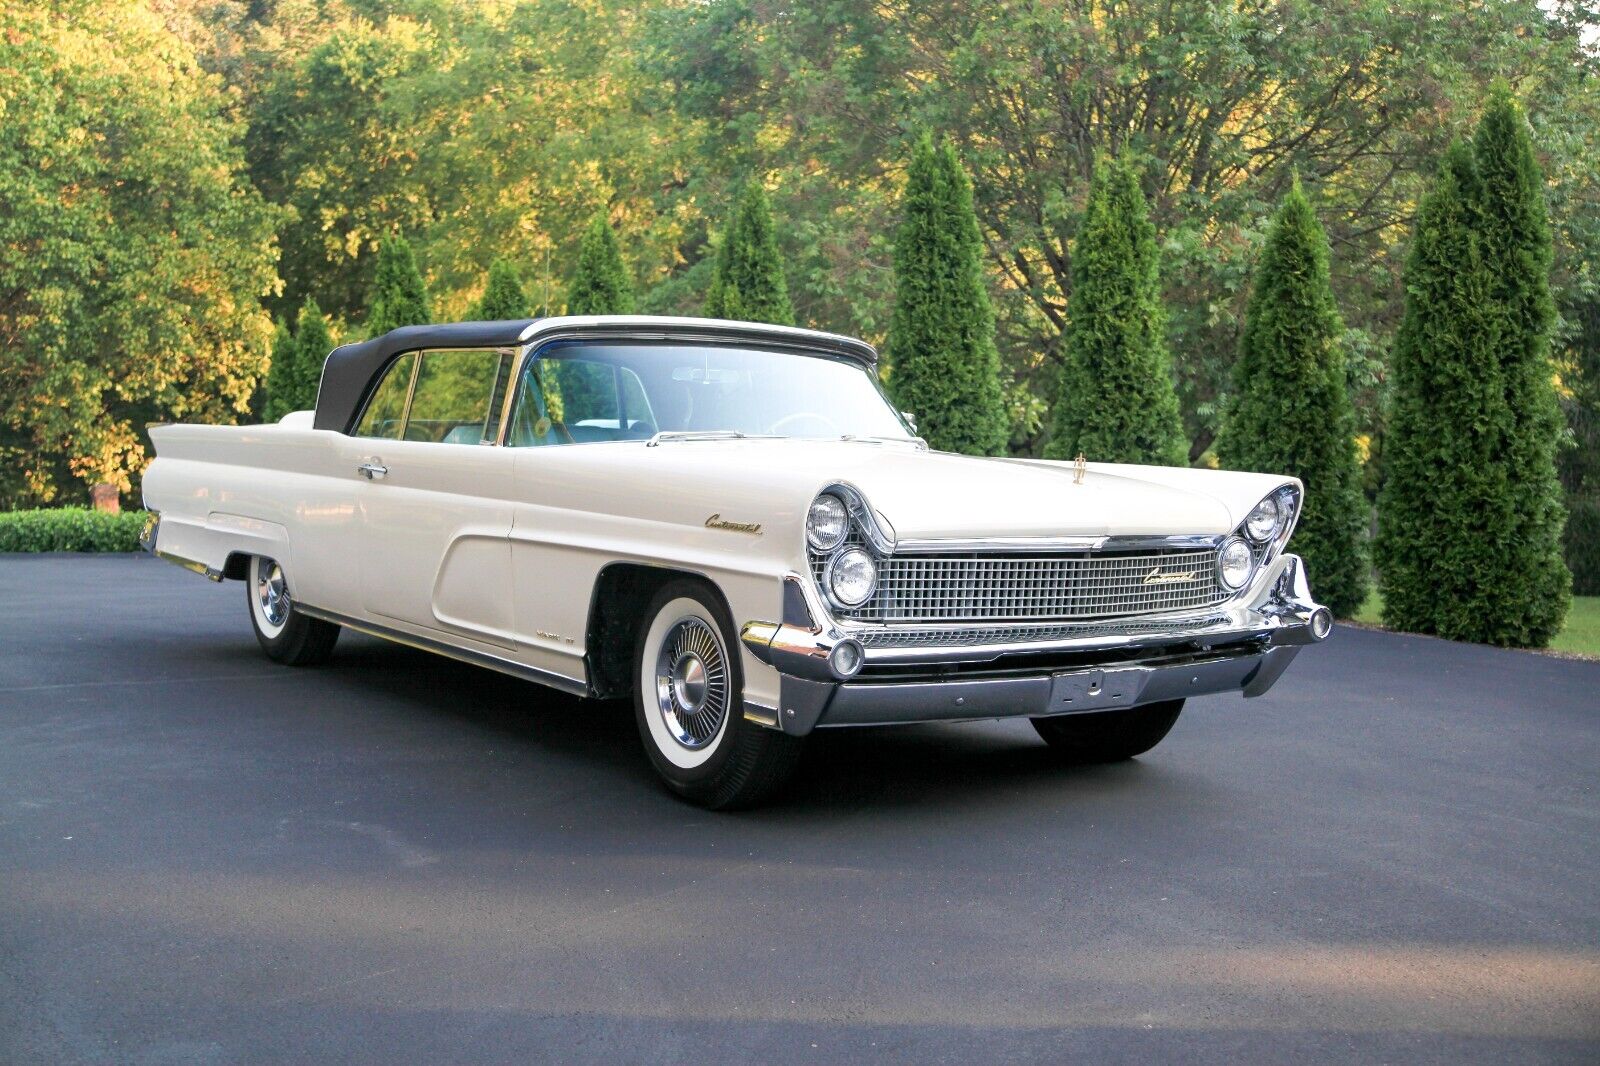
(1156, 577)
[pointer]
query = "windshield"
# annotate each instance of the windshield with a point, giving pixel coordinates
(577, 392)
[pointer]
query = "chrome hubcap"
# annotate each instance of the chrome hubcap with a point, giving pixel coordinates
(272, 592)
(692, 683)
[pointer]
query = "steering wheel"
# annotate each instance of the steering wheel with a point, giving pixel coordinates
(831, 427)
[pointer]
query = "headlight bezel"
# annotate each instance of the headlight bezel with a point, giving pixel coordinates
(1231, 542)
(831, 572)
(825, 544)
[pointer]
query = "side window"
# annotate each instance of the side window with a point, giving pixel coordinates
(579, 401)
(385, 416)
(457, 397)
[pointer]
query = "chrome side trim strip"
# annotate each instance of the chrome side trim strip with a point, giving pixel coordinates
(550, 678)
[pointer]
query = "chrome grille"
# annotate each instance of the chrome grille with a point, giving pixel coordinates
(943, 636)
(982, 587)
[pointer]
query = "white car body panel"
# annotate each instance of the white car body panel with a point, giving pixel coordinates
(497, 550)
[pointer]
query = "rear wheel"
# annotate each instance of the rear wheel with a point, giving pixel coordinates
(285, 634)
(1109, 736)
(689, 703)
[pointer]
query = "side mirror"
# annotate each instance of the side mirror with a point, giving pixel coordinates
(911, 419)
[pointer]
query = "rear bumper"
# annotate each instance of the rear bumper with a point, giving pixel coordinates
(1243, 647)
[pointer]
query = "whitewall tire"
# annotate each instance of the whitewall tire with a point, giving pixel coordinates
(689, 702)
(285, 634)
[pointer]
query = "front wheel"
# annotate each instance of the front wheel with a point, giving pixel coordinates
(285, 634)
(689, 702)
(1109, 736)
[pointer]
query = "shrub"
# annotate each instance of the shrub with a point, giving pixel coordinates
(1583, 545)
(503, 296)
(1290, 411)
(600, 283)
(1471, 514)
(941, 338)
(1117, 403)
(70, 529)
(748, 283)
(399, 296)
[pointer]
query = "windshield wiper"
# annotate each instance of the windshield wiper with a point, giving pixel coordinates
(859, 438)
(704, 434)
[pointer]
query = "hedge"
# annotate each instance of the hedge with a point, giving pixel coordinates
(70, 529)
(1583, 545)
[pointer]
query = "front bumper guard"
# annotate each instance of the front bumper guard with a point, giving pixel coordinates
(1244, 647)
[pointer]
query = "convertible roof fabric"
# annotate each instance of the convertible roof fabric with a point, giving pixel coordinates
(352, 370)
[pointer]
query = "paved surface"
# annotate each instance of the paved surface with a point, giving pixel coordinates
(208, 858)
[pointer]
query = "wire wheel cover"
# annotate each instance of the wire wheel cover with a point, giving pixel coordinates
(692, 682)
(272, 592)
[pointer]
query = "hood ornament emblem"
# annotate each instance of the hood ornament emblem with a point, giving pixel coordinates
(1080, 467)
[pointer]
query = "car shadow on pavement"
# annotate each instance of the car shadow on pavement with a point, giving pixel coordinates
(842, 770)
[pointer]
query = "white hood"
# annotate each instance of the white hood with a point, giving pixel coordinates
(936, 495)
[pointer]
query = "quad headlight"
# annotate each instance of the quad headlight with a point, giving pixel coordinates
(1235, 562)
(1264, 522)
(851, 577)
(827, 523)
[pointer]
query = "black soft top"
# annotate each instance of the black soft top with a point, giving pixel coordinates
(352, 370)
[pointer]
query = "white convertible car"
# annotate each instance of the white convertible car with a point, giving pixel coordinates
(731, 524)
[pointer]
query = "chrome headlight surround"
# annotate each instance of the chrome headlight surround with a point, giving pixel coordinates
(1236, 563)
(827, 522)
(1264, 540)
(863, 533)
(850, 578)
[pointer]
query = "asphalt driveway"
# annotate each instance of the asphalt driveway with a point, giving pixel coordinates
(205, 857)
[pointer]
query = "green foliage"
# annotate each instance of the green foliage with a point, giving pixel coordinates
(747, 283)
(1116, 402)
(133, 251)
(282, 373)
(1470, 510)
(399, 296)
(600, 284)
(1515, 224)
(70, 529)
(1290, 412)
(1583, 545)
(941, 336)
(313, 342)
(503, 296)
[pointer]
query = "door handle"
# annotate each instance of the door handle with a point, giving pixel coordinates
(372, 470)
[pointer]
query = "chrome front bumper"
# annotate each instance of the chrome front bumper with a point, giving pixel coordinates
(1244, 646)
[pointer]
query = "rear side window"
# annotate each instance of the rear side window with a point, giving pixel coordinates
(386, 411)
(457, 397)
(454, 397)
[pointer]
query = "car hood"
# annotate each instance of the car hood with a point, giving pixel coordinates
(939, 495)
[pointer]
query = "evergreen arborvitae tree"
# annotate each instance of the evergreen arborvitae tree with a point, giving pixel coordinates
(399, 297)
(600, 284)
(313, 345)
(1290, 410)
(281, 374)
(748, 282)
(1445, 508)
(941, 338)
(503, 296)
(1117, 401)
(1515, 227)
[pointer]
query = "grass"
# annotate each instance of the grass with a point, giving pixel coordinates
(1581, 635)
